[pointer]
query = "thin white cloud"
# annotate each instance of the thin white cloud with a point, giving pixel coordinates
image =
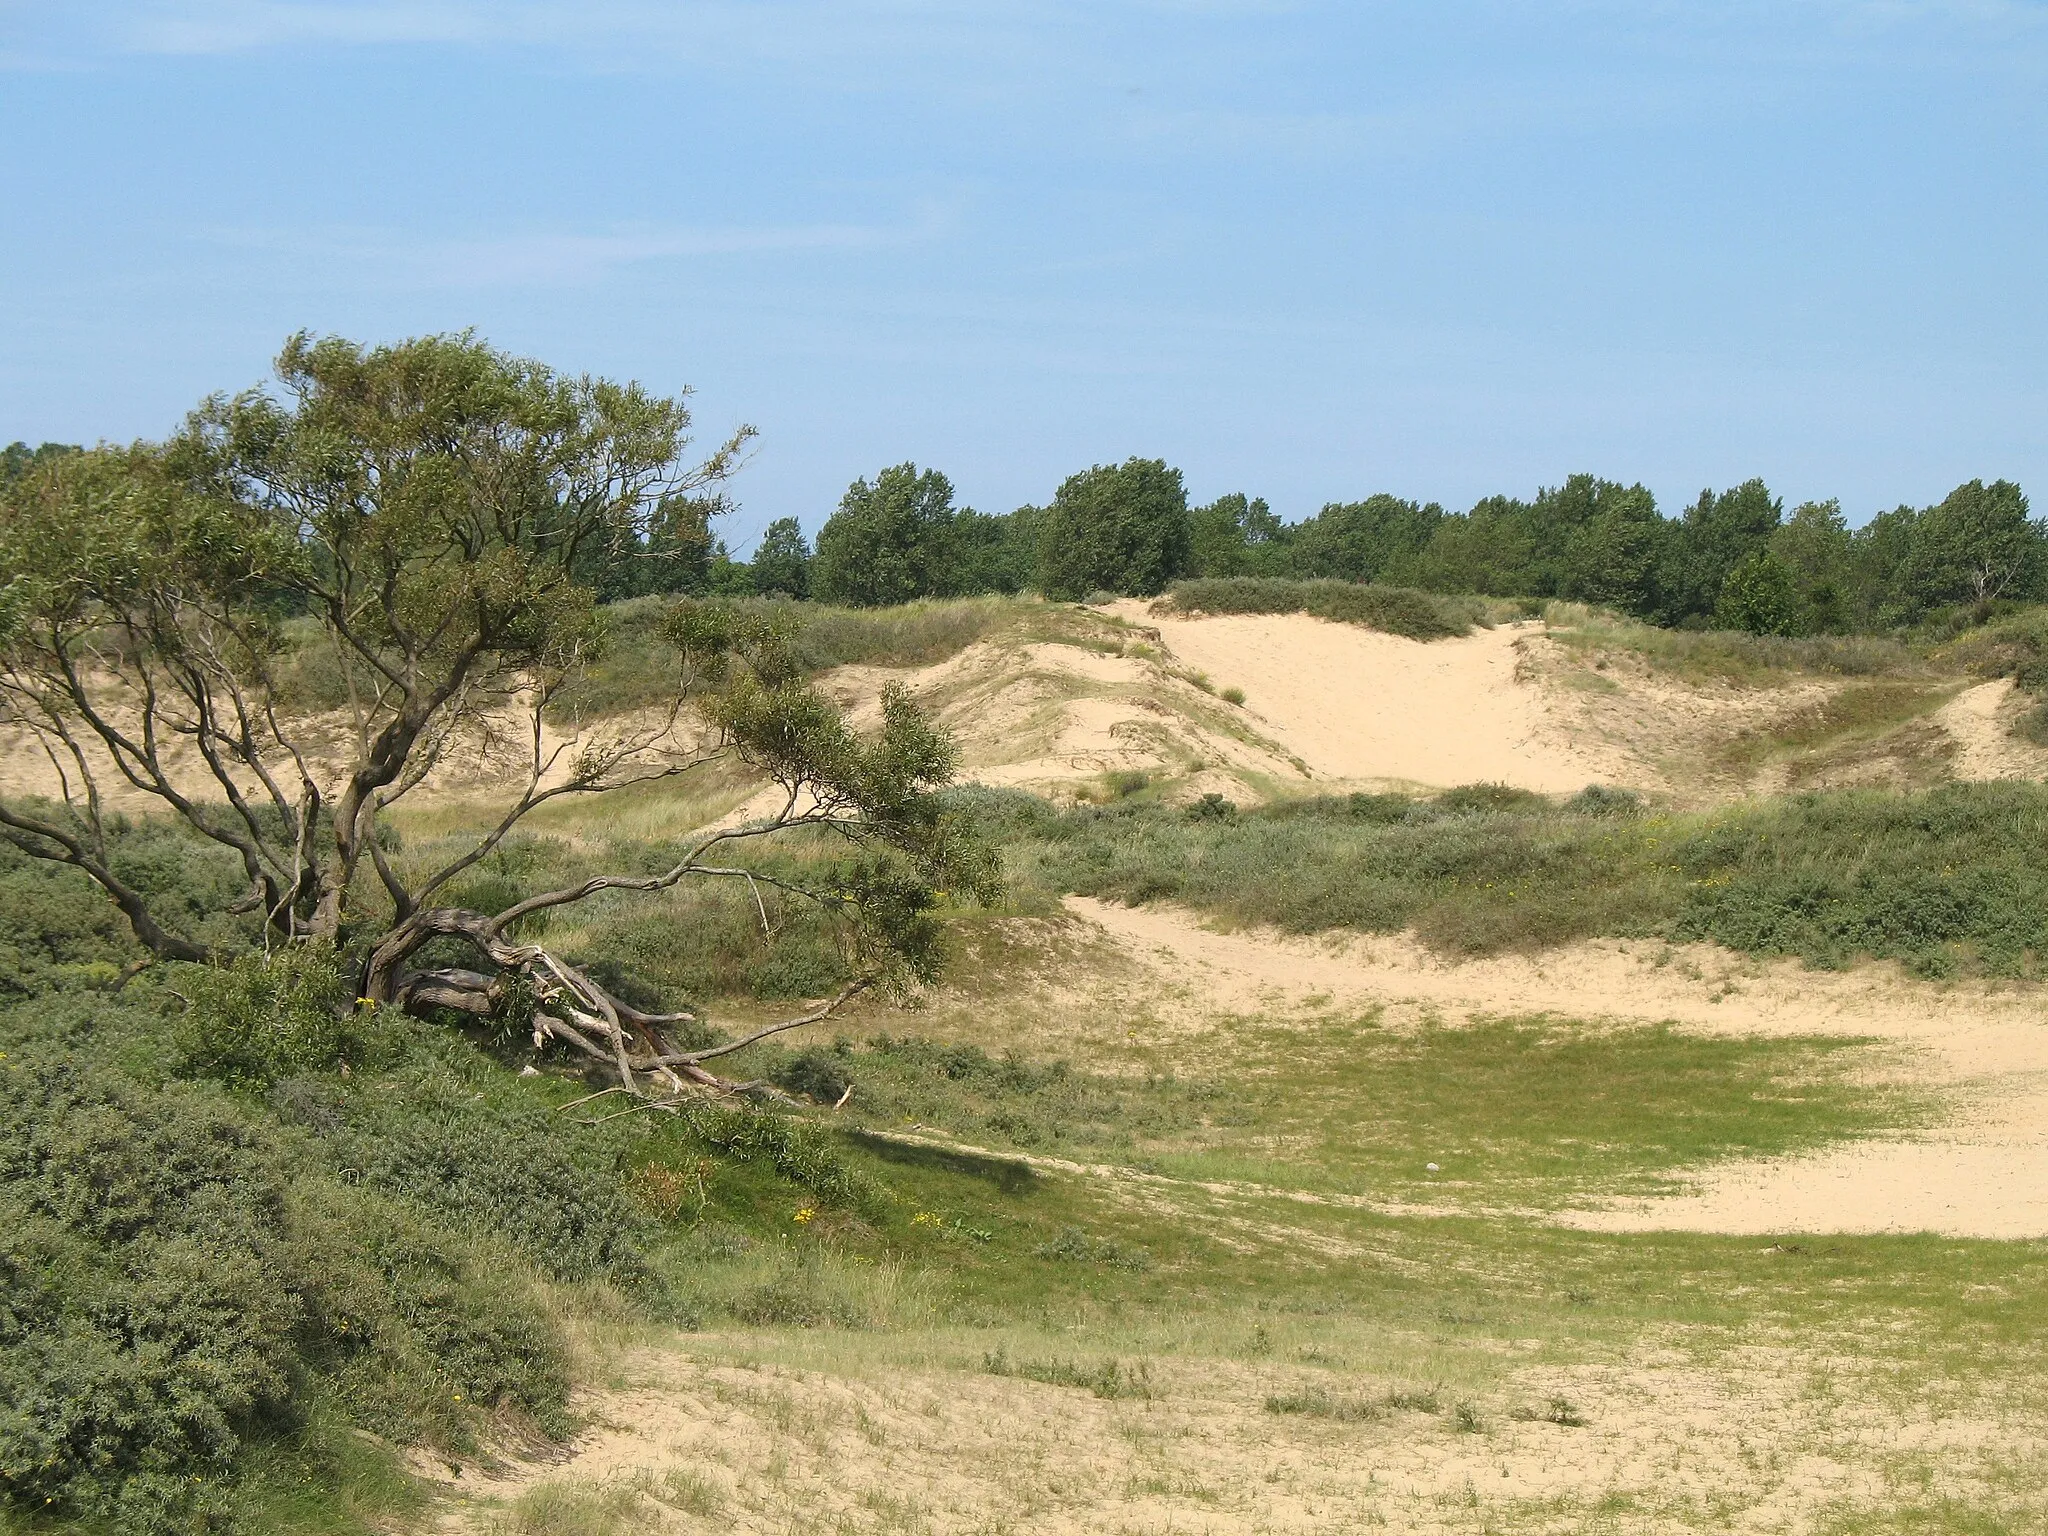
(224, 26)
(556, 258)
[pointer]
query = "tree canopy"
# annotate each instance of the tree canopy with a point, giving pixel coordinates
(1116, 528)
(423, 521)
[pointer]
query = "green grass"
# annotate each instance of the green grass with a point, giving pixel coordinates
(1394, 610)
(637, 667)
(1515, 1112)
(1860, 715)
(1946, 880)
(1732, 656)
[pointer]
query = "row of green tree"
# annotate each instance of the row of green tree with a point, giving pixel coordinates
(1733, 559)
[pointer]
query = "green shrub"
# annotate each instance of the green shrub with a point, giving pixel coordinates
(1603, 800)
(58, 930)
(816, 1073)
(1394, 610)
(179, 1288)
(1071, 1245)
(516, 1174)
(261, 1017)
(1944, 881)
(799, 1152)
(1486, 800)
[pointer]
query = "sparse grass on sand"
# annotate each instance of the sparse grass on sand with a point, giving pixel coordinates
(1401, 611)
(637, 667)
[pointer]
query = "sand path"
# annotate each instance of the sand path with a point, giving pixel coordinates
(1362, 706)
(1983, 1173)
(1977, 720)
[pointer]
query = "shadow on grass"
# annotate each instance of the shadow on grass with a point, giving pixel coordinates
(1007, 1174)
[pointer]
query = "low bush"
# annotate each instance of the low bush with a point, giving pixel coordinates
(1110, 1379)
(1943, 880)
(1318, 1403)
(262, 1017)
(1394, 610)
(176, 1289)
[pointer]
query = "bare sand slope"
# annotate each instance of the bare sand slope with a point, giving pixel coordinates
(1984, 1173)
(1362, 706)
(1979, 720)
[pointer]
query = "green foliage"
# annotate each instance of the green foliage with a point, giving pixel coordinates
(1071, 1245)
(1716, 535)
(818, 1074)
(431, 508)
(1935, 880)
(261, 1017)
(1361, 541)
(1120, 528)
(1941, 880)
(175, 1291)
(1760, 595)
(1394, 610)
(797, 1151)
(483, 1169)
(1605, 543)
(889, 541)
(1977, 544)
(782, 561)
(55, 928)
(1615, 556)
(1235, 536)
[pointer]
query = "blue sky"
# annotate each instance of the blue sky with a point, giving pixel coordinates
(1308, 251)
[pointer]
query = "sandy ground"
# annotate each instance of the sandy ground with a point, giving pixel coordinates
(717, 1440)
(1328, 706)
(1983, 1173)
(1362, 706)
(1979, 720)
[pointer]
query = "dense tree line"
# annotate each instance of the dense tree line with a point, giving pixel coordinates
(1733, 559)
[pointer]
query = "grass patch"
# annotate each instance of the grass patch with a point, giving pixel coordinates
(1524, 1112)
(1858, 715)
(637, 667)
(1404, 611)
(1317, 1403)
(1529, 1113)
(1733, 656)
(1109, 1379)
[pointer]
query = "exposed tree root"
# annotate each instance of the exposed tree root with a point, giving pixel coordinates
(567, 1007)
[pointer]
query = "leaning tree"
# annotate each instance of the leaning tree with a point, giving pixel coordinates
(423, 519)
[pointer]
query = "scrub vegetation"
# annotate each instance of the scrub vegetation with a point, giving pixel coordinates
(1944, 881)
(369, 1161)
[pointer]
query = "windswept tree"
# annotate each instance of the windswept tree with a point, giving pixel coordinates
(1115, 528)
(1975, 545)
(889, 541)
(418, 518)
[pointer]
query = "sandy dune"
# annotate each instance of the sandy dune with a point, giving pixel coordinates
(1358, 705)
(1984, 1173)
